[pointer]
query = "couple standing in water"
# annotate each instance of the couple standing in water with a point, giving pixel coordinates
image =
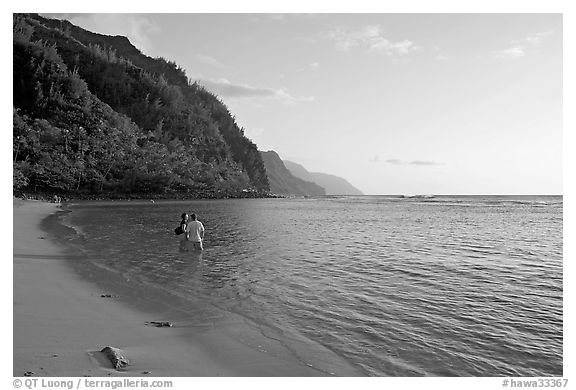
(193, 233)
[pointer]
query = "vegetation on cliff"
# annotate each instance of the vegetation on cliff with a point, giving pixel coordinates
(93, 115)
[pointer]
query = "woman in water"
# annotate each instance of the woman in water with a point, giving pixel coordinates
(186, 232)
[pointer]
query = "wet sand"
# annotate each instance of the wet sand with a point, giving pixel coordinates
(61, 322)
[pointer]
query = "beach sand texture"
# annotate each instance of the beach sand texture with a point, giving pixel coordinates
(61, 321)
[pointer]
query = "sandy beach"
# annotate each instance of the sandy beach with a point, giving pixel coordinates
(61, 321)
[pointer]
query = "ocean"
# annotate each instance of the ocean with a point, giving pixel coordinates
(443, 286)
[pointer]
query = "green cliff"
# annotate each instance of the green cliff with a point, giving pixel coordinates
(93, 116)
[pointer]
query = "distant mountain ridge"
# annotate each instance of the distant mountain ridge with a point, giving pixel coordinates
(282, 182)
(333, 185)
(289, 178)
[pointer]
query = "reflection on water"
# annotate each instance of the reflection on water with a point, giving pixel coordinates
(445, 286)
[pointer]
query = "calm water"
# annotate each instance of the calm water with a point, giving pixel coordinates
(450, 286)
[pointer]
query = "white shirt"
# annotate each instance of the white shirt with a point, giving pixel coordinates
(196, 230)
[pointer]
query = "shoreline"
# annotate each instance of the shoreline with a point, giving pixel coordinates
(61, 321)
(68, 197)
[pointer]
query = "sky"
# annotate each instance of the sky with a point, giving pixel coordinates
(394, 103)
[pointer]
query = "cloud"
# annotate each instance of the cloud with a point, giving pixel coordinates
(262, 18)
(136, 27)
(395, 161)
(253, 132)
(225, 88)
(418, 162)
(282, 17)
(521, 47)
(210, 60)
(512, 52)
(438, 53)
(310, 67)
(372, 38)
(537, 38)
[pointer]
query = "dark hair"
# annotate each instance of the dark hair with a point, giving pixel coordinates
(193, 216)
(184, 215)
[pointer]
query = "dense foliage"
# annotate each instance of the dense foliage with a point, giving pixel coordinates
(93, 115)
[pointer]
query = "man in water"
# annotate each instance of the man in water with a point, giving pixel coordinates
(195, 232)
